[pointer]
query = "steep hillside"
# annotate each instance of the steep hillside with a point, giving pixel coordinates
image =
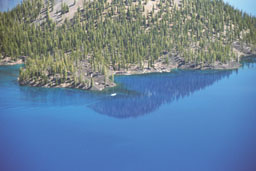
(54, 8)
(83, 44)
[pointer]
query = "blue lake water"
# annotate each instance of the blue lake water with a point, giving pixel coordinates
(181, 121)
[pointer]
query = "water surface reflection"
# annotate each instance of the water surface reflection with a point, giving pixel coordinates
(136, 95)
(154, 90)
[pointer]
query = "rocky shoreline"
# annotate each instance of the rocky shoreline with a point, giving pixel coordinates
(97, 81)
(100, 84)
(10, 61)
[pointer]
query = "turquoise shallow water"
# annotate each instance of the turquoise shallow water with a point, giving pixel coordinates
(184, 120)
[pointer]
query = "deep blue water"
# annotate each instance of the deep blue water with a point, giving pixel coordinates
(181, 121)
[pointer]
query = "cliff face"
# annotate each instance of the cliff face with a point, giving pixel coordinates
(82, 44)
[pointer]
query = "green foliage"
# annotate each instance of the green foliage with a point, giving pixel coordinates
(64, 8)
(52, 4)
(120, 34)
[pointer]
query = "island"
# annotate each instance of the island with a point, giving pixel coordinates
(83, 44)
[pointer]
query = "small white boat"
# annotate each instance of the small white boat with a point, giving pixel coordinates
(113, 94)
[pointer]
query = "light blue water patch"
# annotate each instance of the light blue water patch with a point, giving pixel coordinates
(248, 6)
(6, 5)
(184, 120)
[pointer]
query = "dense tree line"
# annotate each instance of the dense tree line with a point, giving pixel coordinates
(121, 33)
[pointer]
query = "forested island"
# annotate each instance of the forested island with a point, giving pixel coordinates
(84, 44)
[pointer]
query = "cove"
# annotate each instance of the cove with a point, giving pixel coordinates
(183, 120)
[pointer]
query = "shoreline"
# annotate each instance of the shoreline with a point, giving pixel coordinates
(100, 84)
(8, 61)
(97, 81)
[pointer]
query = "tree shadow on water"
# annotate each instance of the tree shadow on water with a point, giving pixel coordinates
(153, 90)
(136, 95)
